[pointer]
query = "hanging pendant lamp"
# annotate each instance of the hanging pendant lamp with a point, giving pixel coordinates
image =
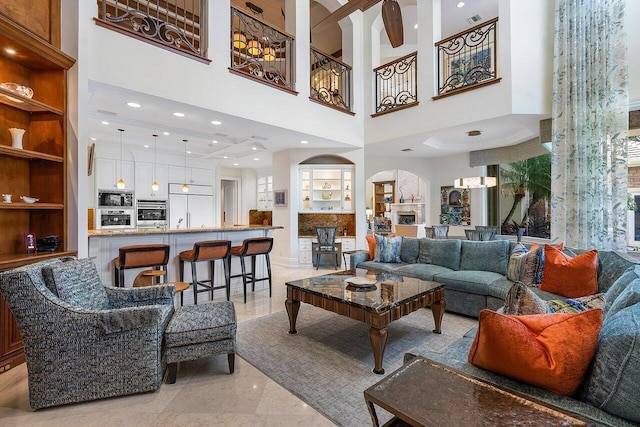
(154, 185)
(185, 187)
(120, 184)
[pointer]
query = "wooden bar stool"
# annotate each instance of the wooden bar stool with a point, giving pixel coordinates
(155, 256)
(211, 251)
(253, 247)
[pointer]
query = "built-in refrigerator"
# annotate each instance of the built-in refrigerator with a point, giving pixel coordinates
(190, 210)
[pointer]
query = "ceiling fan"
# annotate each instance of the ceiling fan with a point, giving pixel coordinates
(391, 16)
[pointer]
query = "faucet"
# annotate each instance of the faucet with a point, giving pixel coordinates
(179, 222)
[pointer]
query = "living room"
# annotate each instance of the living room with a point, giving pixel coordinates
(373, 145)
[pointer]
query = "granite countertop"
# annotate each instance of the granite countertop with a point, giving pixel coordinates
(144, 231)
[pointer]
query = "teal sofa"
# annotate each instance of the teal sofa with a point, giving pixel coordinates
(474, 275)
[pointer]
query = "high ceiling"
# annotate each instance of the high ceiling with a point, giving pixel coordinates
(241, 141)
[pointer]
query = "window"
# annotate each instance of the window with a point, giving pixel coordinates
(525, 196)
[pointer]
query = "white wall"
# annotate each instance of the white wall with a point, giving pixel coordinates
(632, 18)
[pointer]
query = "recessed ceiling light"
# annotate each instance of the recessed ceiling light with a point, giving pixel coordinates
(104, 122)
(254, 148)
(460, 4)
(10, 51)
(225, 157)
(214, 141)
(255, 158)
(188, 152)
(133, 105)
(415, 26)
(177, 114)
(94, 139)
(215, 122)
(145, 146)
(165, 133)
(304, 142)
(236, 164)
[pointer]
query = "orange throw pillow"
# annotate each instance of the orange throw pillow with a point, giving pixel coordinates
(371, 241)
(551, 351)
(570, 277)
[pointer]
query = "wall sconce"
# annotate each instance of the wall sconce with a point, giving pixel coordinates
(254, 48)
(269, 54)
(475, 182)
(239, 40)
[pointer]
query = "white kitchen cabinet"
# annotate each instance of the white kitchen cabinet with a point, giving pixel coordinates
(348, 243)
(195, 207)
(195, 176)
(304, 250)
(265, 193)
(109, 171)
(144, 177)
(327, 189)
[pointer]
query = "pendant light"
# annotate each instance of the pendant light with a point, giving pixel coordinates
(185, 187)
(120, 184)
(155, 186)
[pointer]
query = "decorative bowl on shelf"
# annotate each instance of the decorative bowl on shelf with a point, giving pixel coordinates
(326, 195)
(25, 91)
(28, 199)
(326, 186)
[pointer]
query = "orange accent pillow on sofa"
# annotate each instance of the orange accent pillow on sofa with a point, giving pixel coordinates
(551, 351)
(371, 241)
(570, 277)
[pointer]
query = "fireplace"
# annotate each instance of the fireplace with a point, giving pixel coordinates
(406, 218)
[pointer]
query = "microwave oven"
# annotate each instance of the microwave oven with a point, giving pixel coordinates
(110, 219)
(115, 199)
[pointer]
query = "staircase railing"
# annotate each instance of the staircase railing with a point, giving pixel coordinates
(330, 81)
(178, 24)
(468, 59)
(261, 52)
(397, 84)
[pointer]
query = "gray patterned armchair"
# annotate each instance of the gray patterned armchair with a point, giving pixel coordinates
(84, 340)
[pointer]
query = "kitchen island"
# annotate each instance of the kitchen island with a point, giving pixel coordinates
(104, 245)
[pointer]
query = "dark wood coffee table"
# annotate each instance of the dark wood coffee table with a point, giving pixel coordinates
(391, 298)
(426, 393)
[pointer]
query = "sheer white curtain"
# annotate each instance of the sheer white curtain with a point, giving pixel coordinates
(590, 122)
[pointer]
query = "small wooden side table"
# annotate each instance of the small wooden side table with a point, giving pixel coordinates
(426, 393)
(180, 288)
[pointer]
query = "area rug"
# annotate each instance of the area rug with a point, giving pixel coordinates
(328, 363)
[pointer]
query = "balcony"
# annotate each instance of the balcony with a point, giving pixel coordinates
(330, 81)
(468, 60)
(261, 52)
(396, 85)
(178, 25)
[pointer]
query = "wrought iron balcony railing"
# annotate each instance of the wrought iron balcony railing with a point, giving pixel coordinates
(330, 81)
(176, 24)
(468, 59)
(261, 52)
(397, 84)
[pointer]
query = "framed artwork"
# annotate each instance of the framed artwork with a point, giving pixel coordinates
(455, 206)
(280, 198)
(471, 67)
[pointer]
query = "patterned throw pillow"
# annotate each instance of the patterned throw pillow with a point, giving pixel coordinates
(77, 282)
(516, 262)
(522, 301)
(387, 248)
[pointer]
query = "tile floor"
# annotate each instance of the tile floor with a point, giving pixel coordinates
(203, 395)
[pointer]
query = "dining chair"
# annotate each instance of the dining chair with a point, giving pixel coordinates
(480, 235)
(327, 244)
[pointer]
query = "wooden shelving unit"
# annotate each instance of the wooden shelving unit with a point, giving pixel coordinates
(384, 194)
(38, 170)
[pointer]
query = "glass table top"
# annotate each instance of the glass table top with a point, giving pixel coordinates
(376, 291)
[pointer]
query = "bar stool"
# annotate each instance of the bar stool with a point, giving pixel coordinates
(155, 256)
(211, 251)
(253, 247)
